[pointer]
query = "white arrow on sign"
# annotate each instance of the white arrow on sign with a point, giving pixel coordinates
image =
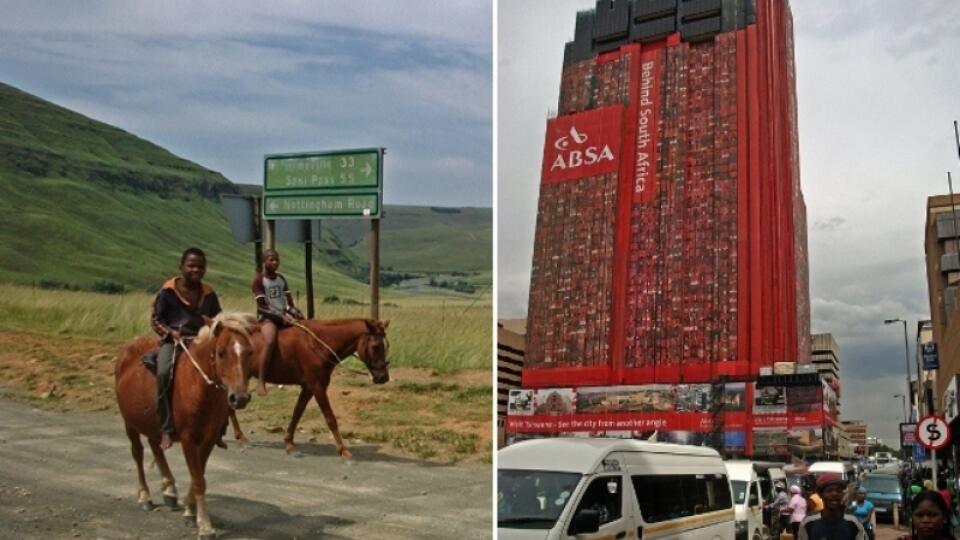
(367, 169)
(274, 206)
(933, 432)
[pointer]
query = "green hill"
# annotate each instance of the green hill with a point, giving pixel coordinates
(87, 205)
(427, 239)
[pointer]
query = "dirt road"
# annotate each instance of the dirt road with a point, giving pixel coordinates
(71, 476)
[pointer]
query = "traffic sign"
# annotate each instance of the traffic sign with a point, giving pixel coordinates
(293, 205)
(337, 184)
(347, 169)
(931, 359)
(933, 432)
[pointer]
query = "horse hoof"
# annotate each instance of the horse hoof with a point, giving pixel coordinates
(170, 501)
(190, 521)
(147, 506)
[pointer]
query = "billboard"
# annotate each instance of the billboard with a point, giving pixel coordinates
(582, 145)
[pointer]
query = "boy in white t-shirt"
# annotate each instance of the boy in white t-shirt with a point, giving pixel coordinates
(274, 305)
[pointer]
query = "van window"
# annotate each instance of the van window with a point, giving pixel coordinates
(605, 495)
(666, 497)
(532, 499)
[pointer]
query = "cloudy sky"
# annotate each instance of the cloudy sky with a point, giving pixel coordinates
(877, 87)
(223, 83)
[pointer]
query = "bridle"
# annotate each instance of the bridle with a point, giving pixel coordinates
(338, 360)
(210, 382)
(217, 384)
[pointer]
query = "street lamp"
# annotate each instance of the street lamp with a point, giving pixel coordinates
(903, 399)
(906, 357)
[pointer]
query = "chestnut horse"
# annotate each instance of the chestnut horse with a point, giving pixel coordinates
(306, 356)
(208, 380)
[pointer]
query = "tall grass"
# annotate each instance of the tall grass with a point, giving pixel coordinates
(426, 332)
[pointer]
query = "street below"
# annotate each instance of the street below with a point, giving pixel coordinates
(71, 475)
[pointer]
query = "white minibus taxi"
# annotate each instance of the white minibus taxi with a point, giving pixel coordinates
(551, 489)
(753, 489)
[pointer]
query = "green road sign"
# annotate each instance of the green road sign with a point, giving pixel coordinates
(348, 169)
(308, 205)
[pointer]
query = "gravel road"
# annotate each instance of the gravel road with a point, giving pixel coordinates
(70, 475)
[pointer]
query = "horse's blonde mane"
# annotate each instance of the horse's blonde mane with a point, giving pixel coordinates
(234, 320)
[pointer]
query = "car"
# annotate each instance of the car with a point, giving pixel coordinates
(884, 491)
(565, 488)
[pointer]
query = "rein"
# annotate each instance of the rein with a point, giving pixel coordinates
(217, 385)
(320, 341)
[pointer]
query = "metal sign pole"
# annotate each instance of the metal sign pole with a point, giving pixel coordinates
(308, 264)
(933, 466)
(375, 269)
(257, 236)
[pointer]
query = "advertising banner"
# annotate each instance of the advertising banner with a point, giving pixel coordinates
(805, 440)
(623, 399)
(931, 359)
(735, 396)
(950, 401)
(770, 442)
(908, 434)
(648, 118)
(582, 145)
(555, 401)
(520, 402)
(770, 400)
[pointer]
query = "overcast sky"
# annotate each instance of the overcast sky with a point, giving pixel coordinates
(878, 87)
(223, 83)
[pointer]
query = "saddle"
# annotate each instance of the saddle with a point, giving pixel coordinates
(149, 358)
(150, 361)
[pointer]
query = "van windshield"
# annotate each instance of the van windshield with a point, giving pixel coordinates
(532, 499)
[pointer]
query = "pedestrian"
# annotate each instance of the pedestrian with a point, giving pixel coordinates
(178, 311)
(780, 508)
(831, 523)
(945, 492)
(929, 518)
(797, 507)
(815, 504)
(862, 509)
(274, 306)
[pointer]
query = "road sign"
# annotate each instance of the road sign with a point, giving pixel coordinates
(933, 432)
(931, 359)
(305, 206)
(348, 169)
(338, 184)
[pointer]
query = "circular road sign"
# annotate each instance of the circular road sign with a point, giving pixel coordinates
(933, 432)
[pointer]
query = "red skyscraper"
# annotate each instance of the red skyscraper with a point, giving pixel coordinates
(671, 230)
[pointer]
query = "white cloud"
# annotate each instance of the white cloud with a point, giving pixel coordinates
(459, 21)
(223, 87)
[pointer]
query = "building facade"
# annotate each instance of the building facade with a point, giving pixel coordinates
(669, 270)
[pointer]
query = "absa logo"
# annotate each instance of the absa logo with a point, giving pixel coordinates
(580, 155)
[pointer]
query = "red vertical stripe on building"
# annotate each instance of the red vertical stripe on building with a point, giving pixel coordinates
(753, 181)
(624, 200)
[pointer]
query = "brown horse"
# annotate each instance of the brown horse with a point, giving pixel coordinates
(209, 380)
(306, 356)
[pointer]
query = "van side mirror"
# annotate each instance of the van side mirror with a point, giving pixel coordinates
(585, 521)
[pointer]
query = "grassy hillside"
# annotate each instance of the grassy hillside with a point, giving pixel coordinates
(84, 204)
(39, 139)
(427, 239)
